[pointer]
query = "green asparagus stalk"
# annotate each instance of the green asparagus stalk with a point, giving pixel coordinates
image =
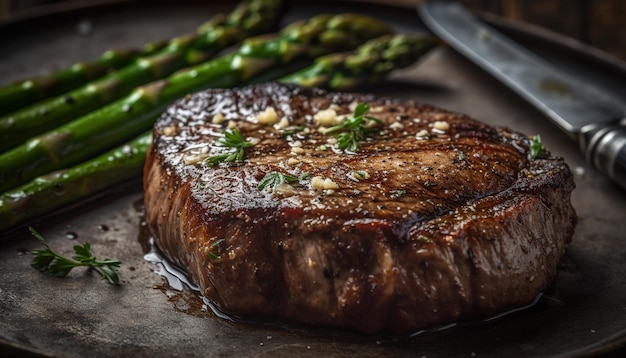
(368, 64)
(53, 191)
(111, 125)
(25, 92)
(249, 18)
(58, 189)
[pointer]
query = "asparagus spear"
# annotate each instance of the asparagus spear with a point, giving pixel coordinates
(55, 190)
(22, 93)
(131, 115)
(50, 192)
(368, 64)
(249, 18)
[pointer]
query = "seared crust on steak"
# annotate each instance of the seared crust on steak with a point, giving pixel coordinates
(453, 225)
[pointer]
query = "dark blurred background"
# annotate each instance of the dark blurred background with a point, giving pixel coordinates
(600, 23)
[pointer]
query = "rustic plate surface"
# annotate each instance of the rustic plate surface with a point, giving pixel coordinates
(583, 314)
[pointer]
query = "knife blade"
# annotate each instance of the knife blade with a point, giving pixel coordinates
(594, 118)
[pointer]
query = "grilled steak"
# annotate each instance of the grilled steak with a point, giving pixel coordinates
(436, 218)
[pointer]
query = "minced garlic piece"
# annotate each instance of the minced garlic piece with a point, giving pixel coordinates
(193, 159)
(352, 106)
(396, 126)
(218, 118)
(330, 185)
(284, 189)
(282, 124)
(376, 109)
(268, 116)
(169, 131)
(297, 150)
(422, 135)
(326, 118)
(253, 140)
(441, 125)
(232, 125)
(317, 182)
(369, 124)
(293, 161)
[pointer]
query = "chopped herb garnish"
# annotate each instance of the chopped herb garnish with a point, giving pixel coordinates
(462, 156)
(212, 255)
(361, 175)
(232, 139)
(59, 266)
(288, 132)
(354, 129)
(398, 193)
(274, 179)
(537, 150)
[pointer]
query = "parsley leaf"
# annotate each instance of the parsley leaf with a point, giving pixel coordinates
(354, 129)
(59, 266)
(232, 139)
(537, 150)
(274, 179)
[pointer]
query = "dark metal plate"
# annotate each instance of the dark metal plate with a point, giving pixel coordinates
(583, 314)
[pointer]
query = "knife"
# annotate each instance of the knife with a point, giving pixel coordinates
(593, 118)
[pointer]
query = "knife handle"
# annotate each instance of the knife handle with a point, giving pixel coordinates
(606, 151)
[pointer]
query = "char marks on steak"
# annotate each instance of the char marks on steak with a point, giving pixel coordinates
(447, 218)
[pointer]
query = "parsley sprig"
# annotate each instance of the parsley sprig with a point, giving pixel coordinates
(232, 139)
(354, 129)
(59, 266)
(537, 150)
(273, 179)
